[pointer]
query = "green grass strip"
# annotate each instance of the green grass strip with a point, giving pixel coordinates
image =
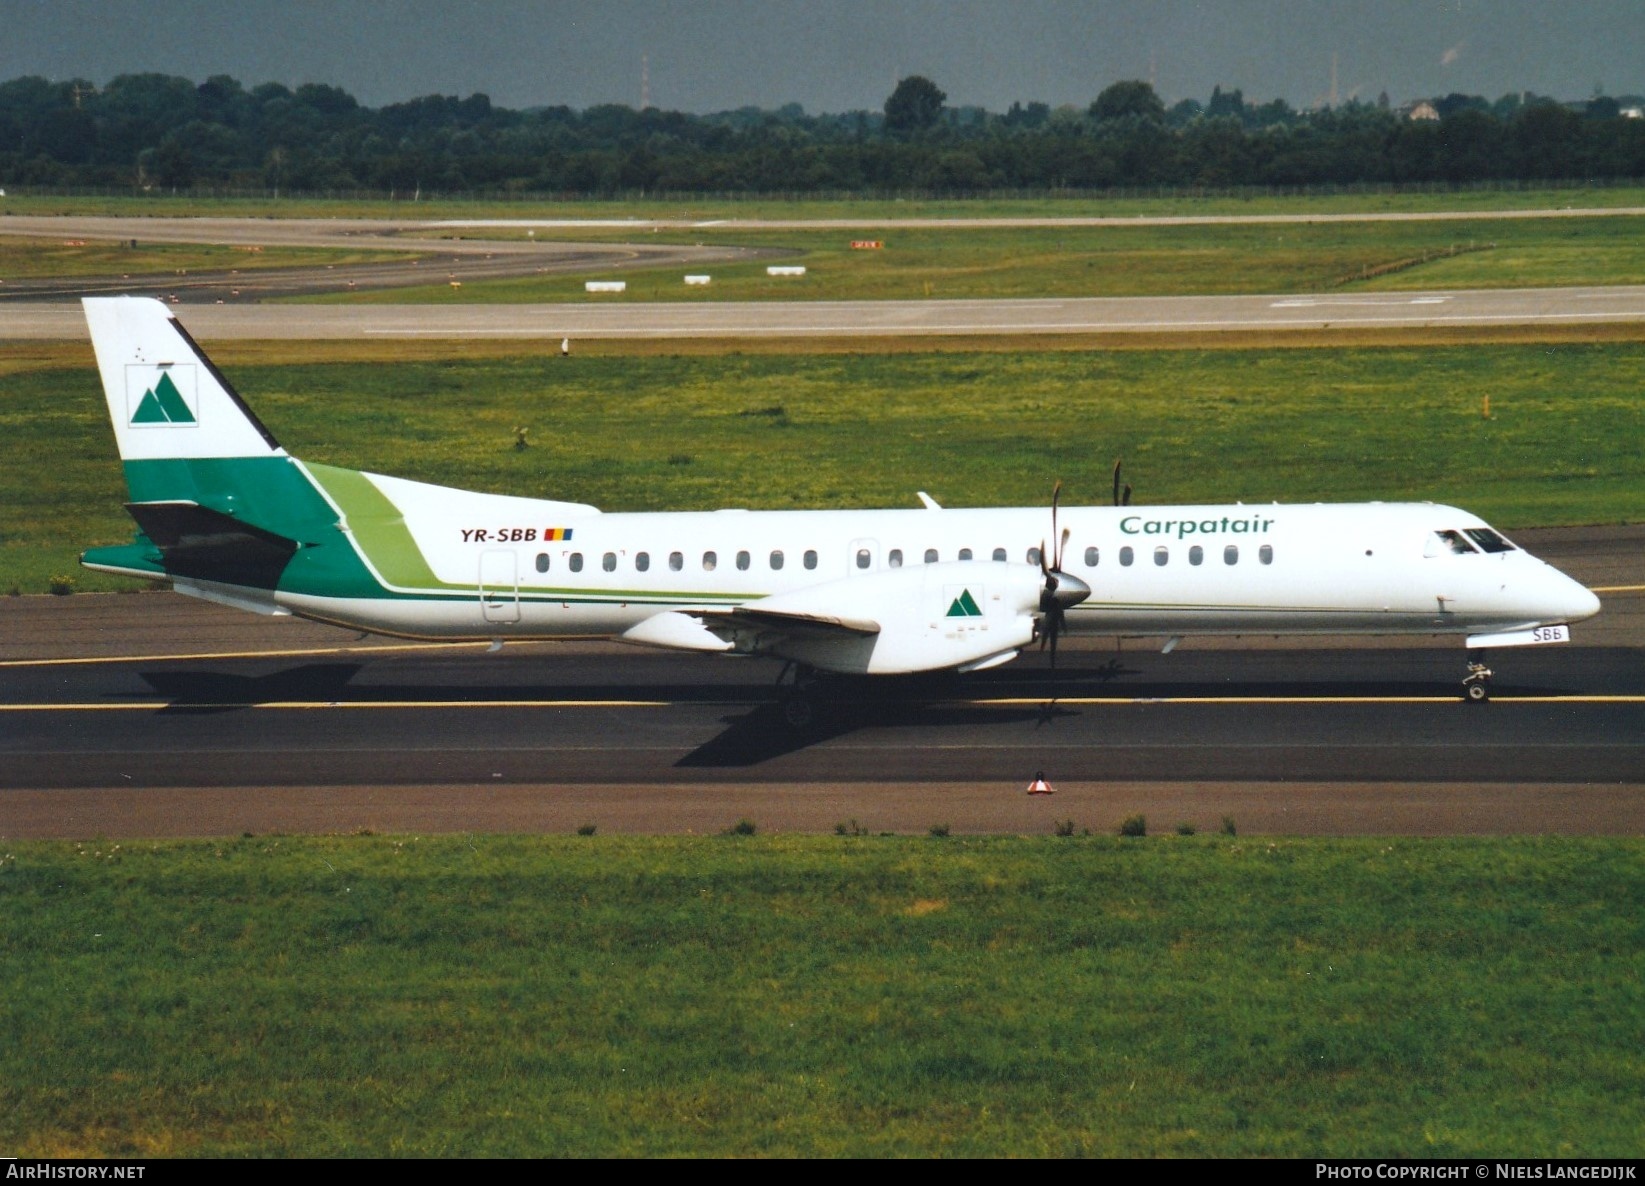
(822, 996)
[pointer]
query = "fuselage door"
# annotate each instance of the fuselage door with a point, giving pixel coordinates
(499, 586)
(865, 557)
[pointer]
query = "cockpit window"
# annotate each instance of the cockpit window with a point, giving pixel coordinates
(1454, 541)
(1488, 540)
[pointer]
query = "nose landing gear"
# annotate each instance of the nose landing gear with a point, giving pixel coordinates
(1476, 685)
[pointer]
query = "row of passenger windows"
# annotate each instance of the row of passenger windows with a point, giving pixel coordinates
(894, 558)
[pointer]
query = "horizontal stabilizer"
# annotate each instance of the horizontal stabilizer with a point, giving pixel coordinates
(204, 544)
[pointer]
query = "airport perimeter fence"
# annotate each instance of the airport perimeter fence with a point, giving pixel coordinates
(1113, 193)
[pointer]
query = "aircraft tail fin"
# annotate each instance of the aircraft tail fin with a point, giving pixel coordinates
(165, 397)
(215, 497)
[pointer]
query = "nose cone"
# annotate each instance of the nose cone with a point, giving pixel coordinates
(1070, 590)
(1555, 598)
(1579, 602)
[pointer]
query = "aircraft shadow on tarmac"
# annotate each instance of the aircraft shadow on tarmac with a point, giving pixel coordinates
(763, 733)
(197, 692)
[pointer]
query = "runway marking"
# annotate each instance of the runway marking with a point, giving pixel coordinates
(991, 702)
(283, 654)
(1618, 589)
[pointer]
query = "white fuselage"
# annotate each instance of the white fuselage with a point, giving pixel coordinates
(1324, 568)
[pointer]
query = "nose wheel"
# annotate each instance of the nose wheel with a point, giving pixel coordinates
(1476, 685)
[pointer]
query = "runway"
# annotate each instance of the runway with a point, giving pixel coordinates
(155, 715)
(21, 321)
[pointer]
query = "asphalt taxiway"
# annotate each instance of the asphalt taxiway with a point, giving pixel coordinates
(152, 714)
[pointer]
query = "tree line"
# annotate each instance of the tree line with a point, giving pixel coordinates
(158, 132)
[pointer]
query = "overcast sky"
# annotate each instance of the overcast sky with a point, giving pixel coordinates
(842, 55)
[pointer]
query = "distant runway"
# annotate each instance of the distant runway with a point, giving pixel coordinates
(846, 319)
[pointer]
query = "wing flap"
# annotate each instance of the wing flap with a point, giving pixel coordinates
(730, 622)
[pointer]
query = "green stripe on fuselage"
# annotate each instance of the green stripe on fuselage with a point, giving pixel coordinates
(380, 530)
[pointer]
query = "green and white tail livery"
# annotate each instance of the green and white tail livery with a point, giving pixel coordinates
(224, 513)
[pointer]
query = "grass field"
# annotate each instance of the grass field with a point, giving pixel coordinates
(683, 431)
(984, 262)
(28, 257)
(155, 205)
(823, 996)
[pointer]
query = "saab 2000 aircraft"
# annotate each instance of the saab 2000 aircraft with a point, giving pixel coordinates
(225, 514)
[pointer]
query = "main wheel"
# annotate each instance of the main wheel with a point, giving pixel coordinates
(1477, 692)
(799, 712)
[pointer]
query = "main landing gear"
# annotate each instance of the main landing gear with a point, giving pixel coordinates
(799, 696)
(1476, 685)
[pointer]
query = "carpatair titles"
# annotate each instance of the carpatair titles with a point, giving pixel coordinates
(1138, 525)
(964, 606)
(162, 404)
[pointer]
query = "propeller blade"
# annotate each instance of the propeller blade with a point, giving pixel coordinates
(1062, 546)
(1125, 496)
(1043, 568)
(1117, 482)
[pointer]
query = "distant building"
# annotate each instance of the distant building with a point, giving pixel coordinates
(1422, 110)
(1632, 112)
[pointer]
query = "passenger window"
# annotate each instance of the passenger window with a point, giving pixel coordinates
(742, 561)
(710, 562)
(642, 561)
(1090, 557)
(542, 561)
(1265, 554)
(864, 559)
(676, 561)
(894, 557)
(1162, 555)
(576, 562)
(1196, 555)
(609, 562)
(1489, 540)
(1454, 541)
(1230, 554)
(965, 553)
(776, 560)
(931, 555)
(810, 558)
(1033, 555)
(999, 553)
(1126, 556)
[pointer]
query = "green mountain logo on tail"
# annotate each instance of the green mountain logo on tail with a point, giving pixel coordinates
(964, 606)
(163, 404)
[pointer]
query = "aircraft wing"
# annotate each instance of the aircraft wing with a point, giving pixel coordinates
(730, 622)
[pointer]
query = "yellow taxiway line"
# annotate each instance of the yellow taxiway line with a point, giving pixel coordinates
(997, 702)
(286, 654)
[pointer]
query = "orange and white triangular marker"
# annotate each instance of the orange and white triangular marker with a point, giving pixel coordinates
(1039, 786)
